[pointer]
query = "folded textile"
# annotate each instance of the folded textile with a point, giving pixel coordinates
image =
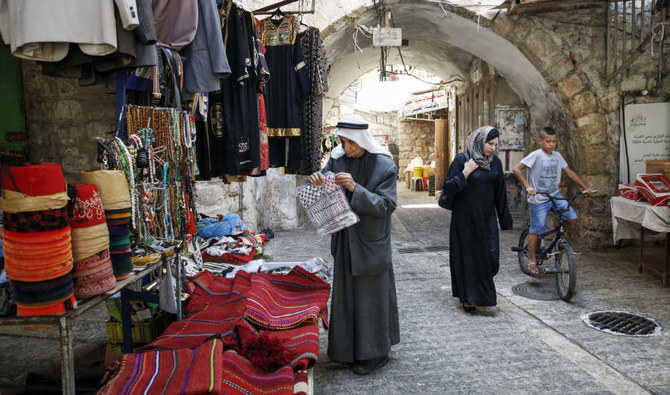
(185, 371)
(284, 301)
(85, 205)
(302, 342)
(89, 241)
(35, 221)
(34, 179)
(93, 275)
(240, 376)
(112, 186)
(208, 291)
(41, 299)
(218, 322)
(16, 202)
(57, 308)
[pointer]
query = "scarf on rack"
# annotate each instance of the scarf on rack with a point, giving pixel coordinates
(475, 143)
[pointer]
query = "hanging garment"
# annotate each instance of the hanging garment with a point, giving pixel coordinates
(311, 121)
(285, 90)
(206, 61)
(235, 142)
(176, 22)
(43, 30)
(263, 76)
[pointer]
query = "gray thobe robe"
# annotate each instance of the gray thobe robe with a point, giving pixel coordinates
(364, 310)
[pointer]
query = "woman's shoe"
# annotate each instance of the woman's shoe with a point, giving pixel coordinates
(468, 308)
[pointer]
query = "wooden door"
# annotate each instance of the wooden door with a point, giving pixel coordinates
(441, 151)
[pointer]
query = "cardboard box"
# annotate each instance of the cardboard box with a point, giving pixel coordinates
(654, 187)
(629, 191)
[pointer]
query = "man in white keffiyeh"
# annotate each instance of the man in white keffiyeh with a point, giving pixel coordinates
(364, 320)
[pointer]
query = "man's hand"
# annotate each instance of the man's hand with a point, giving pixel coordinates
(469, 167)
(531, 191)
(345, 179)
(317, 179)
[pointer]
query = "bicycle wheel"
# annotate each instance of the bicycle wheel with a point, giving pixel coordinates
(566, 267)
(523, 252)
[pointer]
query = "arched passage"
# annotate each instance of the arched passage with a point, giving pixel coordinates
(444, 44)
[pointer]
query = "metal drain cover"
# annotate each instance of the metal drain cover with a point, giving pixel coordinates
(622, 323)
(536, 290)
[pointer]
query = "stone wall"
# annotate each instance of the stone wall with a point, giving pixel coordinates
(568, 48)
(416, 138)
(64, 119)
(267, 202)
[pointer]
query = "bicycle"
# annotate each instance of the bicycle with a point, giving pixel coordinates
(565, 266)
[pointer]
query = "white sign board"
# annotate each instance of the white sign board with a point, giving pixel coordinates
(645, 136)
(387, 37)
(425, 102)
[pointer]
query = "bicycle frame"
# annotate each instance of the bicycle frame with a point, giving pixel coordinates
(559, 230)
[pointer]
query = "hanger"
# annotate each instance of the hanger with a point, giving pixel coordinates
(277, 14)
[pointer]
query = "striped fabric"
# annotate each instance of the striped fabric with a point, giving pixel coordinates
(301, 383)
(219, 322)
(241, 377)
(284, 301)
(302, 342)
(209, 291)
(187, 371)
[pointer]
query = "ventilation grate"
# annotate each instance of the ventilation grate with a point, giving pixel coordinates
(536, 290)
(622, 323)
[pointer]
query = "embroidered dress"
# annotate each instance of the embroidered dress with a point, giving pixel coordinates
(235, 139)
(311, 121)
(285, 90)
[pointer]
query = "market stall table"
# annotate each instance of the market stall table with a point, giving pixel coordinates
(64, 322)
(628, 215)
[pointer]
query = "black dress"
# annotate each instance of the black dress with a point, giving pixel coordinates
(473, 233)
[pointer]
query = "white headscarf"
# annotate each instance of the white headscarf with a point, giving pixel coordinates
(355, 129)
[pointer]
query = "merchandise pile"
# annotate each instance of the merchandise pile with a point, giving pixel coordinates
(37, 238)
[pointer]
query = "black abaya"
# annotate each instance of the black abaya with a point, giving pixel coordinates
(473, 233)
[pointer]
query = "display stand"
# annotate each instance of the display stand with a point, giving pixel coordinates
(65, 322)
(627, 213)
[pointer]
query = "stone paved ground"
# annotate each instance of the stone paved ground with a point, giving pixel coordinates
(520, 346)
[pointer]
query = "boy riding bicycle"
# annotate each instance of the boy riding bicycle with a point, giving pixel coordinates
(544, 174)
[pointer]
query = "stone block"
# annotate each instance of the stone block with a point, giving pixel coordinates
(595, 223)
(635, 82)
(583, 104)
(592, 129)
(610, 99)
(570, 86)
(597, 159)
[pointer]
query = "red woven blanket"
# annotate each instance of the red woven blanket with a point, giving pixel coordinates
(197, 371)
(284, 301)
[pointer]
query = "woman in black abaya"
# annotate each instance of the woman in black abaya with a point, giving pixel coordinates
(477, 181)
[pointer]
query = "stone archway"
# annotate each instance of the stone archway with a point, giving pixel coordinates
(555, 69)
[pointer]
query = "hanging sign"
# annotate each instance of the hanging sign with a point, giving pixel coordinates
(387, 37)
(425, 102)
(645, 136)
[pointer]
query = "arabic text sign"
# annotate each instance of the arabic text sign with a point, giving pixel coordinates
(425, 102)
(647, 138)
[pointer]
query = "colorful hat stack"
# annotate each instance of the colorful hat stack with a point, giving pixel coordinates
(37, 239)
(93, 273)
(115, 198)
